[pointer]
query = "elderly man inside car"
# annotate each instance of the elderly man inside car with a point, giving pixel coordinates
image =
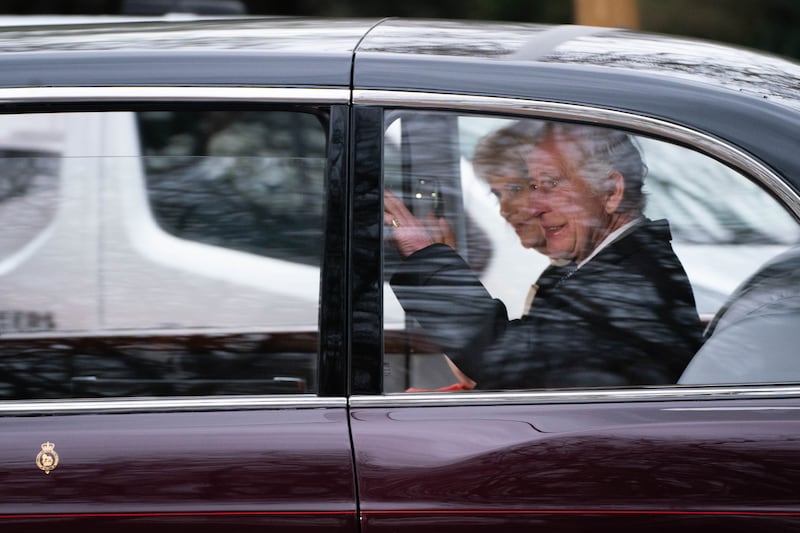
(621, 311)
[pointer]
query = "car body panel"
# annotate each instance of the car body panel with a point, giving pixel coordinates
(577, 465)
(172, 467)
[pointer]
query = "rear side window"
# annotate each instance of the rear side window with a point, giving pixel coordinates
(560, 255)
(161, 252)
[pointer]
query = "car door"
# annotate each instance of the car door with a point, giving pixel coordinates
(166, 359)
(709, 452)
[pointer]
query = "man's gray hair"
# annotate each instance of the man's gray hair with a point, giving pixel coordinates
(597, 152)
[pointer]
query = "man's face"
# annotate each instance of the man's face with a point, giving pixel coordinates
(573, 216)
(512, 193)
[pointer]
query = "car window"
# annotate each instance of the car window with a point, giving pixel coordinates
(160, 252)
(516, 295)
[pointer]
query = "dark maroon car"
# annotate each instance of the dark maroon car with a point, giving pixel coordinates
(198, 328)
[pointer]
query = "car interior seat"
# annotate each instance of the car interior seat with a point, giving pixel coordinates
(755, 336)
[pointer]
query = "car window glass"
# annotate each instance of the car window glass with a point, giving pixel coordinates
(211, 175)
(527, 202)
(160, 252)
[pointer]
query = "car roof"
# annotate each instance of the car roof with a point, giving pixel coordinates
(249, 51)
(722, 66)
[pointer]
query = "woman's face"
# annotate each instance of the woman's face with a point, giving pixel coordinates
(513, 193)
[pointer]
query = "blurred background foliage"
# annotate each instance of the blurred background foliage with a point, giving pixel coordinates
(770, 25)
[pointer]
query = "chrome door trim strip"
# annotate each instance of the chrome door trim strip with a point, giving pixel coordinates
(588, 113)
(734, 409)
(432, 399)
(672, 393)
(174, 94)
(220, 403)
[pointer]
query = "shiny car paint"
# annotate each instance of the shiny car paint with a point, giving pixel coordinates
(167, 465)
(572, 466)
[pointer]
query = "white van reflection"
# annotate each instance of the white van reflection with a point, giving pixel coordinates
(81, 244)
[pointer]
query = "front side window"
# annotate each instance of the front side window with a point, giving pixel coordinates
(530, 254)
(161, 252)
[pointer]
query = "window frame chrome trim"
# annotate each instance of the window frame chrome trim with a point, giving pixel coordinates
(77, 94)
(711, 145)
(216, 403)
(645, 394)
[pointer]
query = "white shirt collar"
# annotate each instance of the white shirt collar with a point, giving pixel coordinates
(613, 236)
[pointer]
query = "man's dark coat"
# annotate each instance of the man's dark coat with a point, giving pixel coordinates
(626, 317)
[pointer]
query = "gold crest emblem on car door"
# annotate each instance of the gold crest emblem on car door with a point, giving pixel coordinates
(47, 459)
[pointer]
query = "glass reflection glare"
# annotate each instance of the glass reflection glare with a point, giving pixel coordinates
(609, 303)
